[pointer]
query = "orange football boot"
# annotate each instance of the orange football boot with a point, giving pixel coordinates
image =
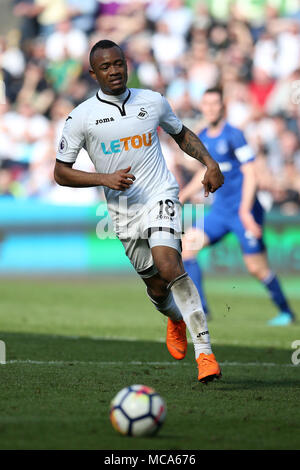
(208, 368)
(176, 339)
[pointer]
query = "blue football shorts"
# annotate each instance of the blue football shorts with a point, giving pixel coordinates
(217, 224)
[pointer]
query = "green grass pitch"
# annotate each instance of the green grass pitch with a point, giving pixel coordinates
(71, 345)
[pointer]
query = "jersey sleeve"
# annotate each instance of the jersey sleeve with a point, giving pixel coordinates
(167, 119)
(72, 139)
(242, 150)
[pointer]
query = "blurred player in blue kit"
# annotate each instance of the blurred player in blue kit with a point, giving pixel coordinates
(235, 207)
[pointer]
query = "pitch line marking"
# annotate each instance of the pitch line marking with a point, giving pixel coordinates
(148, 363)
(280, 344)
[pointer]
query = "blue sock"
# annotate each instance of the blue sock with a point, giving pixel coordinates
(193, 269)
(276, 294)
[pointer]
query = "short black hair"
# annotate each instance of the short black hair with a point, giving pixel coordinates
(215, 89)
(103, 44)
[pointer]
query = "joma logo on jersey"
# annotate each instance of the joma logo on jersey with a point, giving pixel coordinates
(134, 142)
(102, 121)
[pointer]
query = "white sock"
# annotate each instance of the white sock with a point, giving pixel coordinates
(188, 300)
(167, 307)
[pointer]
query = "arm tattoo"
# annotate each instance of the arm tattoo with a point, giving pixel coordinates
(192, 145)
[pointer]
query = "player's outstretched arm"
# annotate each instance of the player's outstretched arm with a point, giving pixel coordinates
(249, 189)
(65, 175)
(192, 145)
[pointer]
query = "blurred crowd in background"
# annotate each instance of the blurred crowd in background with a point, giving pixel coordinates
(251, 48)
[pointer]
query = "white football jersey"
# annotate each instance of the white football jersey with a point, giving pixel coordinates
(121, 131)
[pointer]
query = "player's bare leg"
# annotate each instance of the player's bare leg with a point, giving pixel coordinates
(258, 266)
(163, 300)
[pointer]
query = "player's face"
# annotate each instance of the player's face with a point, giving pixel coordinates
(110, 70)
(212, 107)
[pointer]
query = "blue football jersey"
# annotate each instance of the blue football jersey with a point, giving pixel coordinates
(231, 150)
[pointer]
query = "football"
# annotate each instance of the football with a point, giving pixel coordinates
(137, 411)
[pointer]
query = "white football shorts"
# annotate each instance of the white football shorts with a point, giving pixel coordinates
(158, 225)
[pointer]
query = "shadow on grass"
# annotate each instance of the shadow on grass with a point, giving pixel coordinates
(44, 348)
(66, 406)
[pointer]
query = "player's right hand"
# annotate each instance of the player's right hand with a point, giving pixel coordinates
(120, 180)
(213, 179)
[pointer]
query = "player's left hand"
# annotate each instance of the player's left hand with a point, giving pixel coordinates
(250, 223)
(213, 179)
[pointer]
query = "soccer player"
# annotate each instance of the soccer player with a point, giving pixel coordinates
(235, 207)
(118, 128)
